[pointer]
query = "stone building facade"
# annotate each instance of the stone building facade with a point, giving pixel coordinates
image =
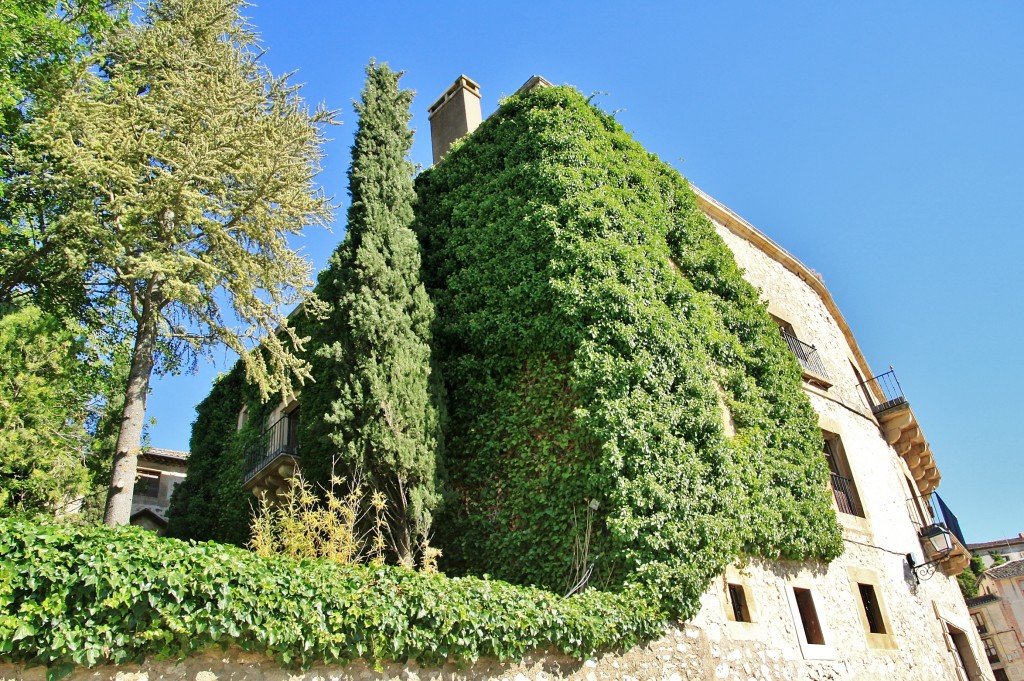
(890, 606)
(1009, 549)
(998, 613)
(159, 472)
(877, 616)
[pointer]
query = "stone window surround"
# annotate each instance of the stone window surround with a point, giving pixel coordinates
(948, 619)
(858, 576)
(810, 651)
(783, 320)
(741, 631)
(857, 525)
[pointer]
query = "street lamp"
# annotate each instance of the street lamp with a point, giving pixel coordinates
(940, 541)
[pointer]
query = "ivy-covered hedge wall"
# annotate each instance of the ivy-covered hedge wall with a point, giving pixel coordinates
(590, 324)
(79, 596)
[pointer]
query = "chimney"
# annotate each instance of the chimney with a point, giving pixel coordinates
(455, 114)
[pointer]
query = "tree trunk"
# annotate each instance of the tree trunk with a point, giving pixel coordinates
(401, 530)
(129, 439)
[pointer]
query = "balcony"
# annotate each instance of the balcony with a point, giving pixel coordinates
(901, 430)
(884, 392)
(807, 355)
(957, 560)
(271, 460)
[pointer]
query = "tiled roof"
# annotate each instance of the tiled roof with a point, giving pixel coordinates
(158, 453)
(1015, 568)
(997, 544)
(982, 600)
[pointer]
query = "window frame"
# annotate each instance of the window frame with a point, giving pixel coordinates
(810, 651)
(153, 478)
(839, 466)
(737, 611)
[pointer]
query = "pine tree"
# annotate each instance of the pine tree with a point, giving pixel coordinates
(185, 165)
(373, 410)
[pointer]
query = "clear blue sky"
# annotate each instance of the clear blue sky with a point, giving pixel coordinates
(881, 143)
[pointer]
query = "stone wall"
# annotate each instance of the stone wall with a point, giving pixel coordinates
(685, 653)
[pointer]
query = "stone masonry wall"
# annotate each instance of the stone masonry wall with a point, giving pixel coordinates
(918, 615)
(685, 653)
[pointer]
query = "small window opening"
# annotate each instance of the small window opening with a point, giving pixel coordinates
(868, 597)
(147, 485)
(990, 651)
(293, 432)
(979, 622)
(840, 477)
(738, 600)
(808, 616)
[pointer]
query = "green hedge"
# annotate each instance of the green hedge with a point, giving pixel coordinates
(81, 596)
(590, 321)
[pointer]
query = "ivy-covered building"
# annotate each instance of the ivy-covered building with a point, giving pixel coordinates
(644, 393)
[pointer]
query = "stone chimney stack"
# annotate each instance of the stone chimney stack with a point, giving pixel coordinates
(455, 114)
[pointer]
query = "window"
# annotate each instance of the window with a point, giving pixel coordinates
(293, 432)
(738, 601)
(979, 623)
(147, 485)
(990, 650)
(868, 597)
(1000, 674)
(920, 514)
(872, 611)
(807, 355)
(808, 616)
(967, 667)
(841, 479)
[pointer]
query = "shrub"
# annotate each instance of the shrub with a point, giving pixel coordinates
(72, 595)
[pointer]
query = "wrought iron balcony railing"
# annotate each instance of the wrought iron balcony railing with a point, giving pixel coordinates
(846, 495)
(806, 354)
(275, 441)
(943, 516)
(884, 391)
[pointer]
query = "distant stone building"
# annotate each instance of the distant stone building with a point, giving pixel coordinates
(998, 613)
(1010, 549)
(159, 472)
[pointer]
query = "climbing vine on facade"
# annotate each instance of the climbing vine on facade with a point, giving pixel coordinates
(592, 330)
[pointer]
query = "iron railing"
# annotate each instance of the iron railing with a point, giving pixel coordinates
(806, 354)
(943, 516)
(276, 440)
(885, 387)
(846, 495)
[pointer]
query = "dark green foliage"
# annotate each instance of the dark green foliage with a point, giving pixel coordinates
(968, 579)
(210, 504)
(589, 324)
(371, 407)
(55, 381)
(77, 596)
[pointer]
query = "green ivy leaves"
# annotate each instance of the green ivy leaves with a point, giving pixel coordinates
(588, 318)
(80, 596)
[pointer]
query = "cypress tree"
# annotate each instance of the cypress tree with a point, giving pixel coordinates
(373, 409)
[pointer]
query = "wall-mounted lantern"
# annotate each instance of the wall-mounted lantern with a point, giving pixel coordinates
(939, 541)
